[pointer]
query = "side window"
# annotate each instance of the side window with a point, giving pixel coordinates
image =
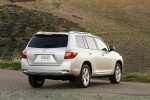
(91, 43)
(80, 42)
(101, 45)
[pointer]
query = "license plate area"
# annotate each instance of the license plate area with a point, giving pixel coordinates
(46, 58)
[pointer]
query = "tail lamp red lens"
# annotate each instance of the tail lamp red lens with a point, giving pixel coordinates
(70, 55)
(24, 54)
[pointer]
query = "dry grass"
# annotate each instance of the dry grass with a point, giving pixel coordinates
(16, 56)
(98, 15)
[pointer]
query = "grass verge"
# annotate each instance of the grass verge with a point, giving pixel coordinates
(137, 77)
(10, 65)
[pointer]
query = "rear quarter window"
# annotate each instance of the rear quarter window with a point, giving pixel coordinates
(48, 41)
(80, 42)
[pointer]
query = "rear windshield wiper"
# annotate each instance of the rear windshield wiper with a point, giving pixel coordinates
(50, 45)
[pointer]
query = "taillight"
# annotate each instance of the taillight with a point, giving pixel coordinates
(70, 55)
(24, 54)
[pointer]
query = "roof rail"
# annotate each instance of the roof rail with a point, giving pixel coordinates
(50, 33)
(80, 32)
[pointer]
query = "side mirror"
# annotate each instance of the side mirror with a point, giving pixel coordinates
(111, 48)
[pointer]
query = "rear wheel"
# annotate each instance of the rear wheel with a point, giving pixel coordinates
(83, 79)
(35, 81)
(116, 77)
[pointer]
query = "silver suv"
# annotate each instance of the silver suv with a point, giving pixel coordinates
(73, 56)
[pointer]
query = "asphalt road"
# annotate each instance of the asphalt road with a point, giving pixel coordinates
(14, 86)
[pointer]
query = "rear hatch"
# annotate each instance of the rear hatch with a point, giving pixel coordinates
(47, 49)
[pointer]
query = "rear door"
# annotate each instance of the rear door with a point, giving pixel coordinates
(105, 61)
(47, 49)
(93, 52)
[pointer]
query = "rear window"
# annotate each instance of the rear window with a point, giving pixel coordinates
(48, 41)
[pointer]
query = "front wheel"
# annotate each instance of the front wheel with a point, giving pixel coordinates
(116, 77)
(35, 81)
(83, 79)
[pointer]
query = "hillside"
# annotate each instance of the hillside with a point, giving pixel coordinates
(124, 24)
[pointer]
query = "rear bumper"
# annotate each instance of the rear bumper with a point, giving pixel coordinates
(66, 68)
(45, 73)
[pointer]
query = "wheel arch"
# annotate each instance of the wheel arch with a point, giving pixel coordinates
(89, 64)
(120, 62)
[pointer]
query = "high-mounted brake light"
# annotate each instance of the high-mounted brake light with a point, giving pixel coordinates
(70, 55)
(24, 54)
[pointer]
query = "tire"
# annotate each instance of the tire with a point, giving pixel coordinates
(116, 77)
(83, 79)
(35, 81)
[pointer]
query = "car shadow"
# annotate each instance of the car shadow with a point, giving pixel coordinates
(67, 85)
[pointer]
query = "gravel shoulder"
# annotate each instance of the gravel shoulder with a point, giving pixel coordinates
(14, 86)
